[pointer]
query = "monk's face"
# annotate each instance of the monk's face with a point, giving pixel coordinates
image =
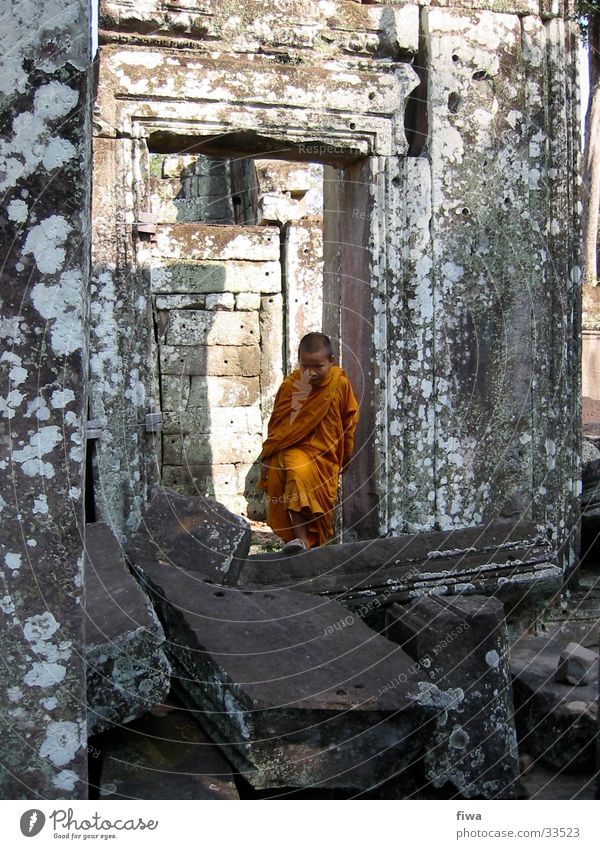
(314, 367)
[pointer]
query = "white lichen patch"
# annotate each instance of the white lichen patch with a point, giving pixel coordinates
(66, 779)
(54, 100)
(7, 605)
(430, 695)
(14, 694)
(62, 304)
(61, 397)
(40, 505)
(61, 742)
(17, 210)
(40, 444)
(45, 674)
(13, 561)
(40, 627)
(45, 241)
(492, 658)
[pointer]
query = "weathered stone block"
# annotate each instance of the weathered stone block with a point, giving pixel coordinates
(217, 420)
(175, 392)
(230, 276)
(224, 391)
(247, 301)
(202, 242)
(215, 447)
(576, 665)
(189, 532)
(462, 645)
(210, 481)
(218, 210)
(220, 301)
(205, 327)
(174, 165)
(127, 670)
(271, 365)
(203, 360)
(277, 209)
(557, 723)
(278, 177)
(359, 29)
(162, 757)
(501, 558)
(308, 705)
(303, 269)
(180, 302)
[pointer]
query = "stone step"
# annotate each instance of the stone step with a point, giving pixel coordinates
(127, 670)
(495, 558)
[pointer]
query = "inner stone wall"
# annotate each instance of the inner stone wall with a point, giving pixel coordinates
(228, 301)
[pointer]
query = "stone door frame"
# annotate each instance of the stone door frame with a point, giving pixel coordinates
(363, 144)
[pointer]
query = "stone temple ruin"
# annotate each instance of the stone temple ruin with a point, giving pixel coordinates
(219, 180)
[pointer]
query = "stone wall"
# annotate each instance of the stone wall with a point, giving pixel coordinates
(45, 140)
(221, 312)
(220, 354)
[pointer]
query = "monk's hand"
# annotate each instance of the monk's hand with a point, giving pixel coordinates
(264, 471)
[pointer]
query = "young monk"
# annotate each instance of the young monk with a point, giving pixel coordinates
(310, 440)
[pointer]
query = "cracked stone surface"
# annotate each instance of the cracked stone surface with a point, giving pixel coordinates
(127, 669)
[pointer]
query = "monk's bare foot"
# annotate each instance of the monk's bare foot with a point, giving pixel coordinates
(294, 546)
(299, 523)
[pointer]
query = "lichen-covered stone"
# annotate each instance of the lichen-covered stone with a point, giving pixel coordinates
(45, 139)
(303, 271)
(204, 277)
(326, 703)
(462, 644)
(127, 670)
(192, 533)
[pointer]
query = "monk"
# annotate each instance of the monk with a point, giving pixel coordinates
(310, 440)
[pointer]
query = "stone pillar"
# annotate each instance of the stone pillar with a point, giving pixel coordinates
(45, 176)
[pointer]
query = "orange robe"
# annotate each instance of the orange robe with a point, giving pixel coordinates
(311, 434)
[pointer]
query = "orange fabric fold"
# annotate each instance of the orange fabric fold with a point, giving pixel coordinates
(310, 435)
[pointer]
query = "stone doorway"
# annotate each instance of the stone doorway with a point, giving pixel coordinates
(235, 270)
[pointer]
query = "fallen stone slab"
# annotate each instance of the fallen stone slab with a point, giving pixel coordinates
(297, 691)
(556, 723)
(127, 669)
(191, 532)
(167, 757)
(576, 665)
(497, 558)
(462, 643)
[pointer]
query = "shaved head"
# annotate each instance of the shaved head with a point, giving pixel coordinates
(313, 343)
